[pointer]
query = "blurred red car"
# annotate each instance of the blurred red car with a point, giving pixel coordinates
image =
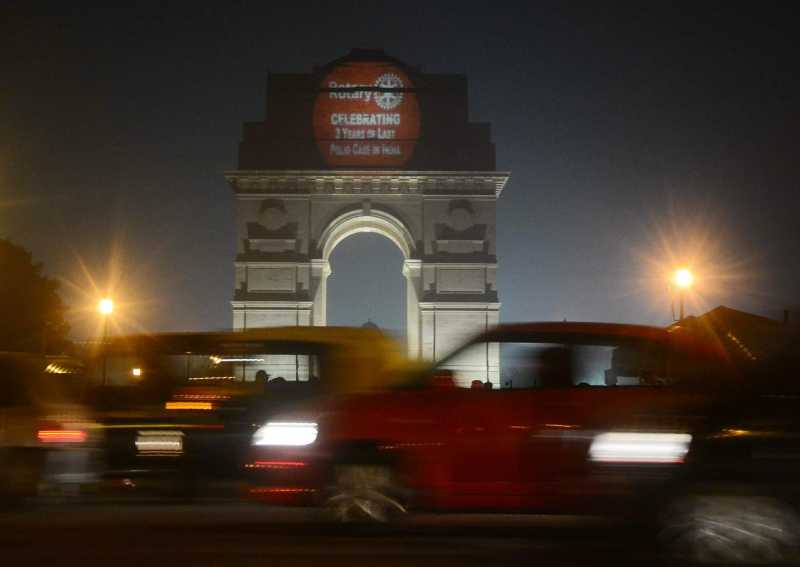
(579, 416)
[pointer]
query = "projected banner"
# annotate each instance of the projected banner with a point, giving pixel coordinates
(366, 115)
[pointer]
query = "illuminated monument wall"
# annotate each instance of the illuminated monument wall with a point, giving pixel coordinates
(369, 144)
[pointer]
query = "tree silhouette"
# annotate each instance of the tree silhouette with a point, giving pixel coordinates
(31, 311)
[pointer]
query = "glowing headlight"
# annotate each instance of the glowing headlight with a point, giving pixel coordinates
(640, 447)
(286, 433)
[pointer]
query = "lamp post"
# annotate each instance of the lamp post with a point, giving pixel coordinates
(683, 279)
(106, 308)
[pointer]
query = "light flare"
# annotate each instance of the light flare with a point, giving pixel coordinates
(286, 434)
(61, 436)
(624, 447)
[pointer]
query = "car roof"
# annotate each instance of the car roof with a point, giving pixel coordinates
(579, 332)
(351, 337)
(576, 329)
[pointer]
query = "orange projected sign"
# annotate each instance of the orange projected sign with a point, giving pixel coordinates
(366, 115)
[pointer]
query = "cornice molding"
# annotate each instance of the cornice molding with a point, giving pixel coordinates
(461, 306)
(266, 304)
(292, 182)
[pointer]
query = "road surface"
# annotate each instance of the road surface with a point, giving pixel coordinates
(223, 533)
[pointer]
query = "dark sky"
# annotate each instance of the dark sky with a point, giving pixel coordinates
(639, 136)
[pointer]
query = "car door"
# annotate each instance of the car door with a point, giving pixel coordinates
(479, 426)
(483, 453)
(564, 419)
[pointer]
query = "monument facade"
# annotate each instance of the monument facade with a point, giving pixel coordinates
(367, 143)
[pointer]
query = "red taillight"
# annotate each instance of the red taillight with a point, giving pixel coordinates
(61, 436)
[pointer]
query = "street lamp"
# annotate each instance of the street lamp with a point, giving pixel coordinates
(106, 308)
(683, 279)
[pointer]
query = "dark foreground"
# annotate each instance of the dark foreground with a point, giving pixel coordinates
(238, 534)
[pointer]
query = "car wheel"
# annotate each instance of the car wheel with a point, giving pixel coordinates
(365, 493)
(731, 529)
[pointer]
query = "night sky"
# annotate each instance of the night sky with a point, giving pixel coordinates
(638, 138)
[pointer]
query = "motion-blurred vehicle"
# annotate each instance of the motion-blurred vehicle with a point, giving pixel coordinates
(48, 443)
(650, 424)
(179, 409)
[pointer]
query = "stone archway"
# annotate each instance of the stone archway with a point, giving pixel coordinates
(289, 222)
(368, 220)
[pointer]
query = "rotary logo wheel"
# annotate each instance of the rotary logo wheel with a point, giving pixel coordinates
(388, 100)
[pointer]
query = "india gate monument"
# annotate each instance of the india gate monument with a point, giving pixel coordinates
(367, 143)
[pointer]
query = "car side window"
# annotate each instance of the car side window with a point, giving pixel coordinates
(183, 369)
(534, 365)
(470, 368)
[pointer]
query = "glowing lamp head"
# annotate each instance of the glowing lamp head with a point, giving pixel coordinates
(683, 278)
(136, 372)
(106, 306)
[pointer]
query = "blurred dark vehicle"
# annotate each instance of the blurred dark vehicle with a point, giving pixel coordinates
(663, 427)
(179, 409)
(48, 443)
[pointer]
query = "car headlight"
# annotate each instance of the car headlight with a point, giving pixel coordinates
(640, 447)
(286, 434)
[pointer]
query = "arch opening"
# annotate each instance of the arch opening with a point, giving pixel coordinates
(366, 283)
